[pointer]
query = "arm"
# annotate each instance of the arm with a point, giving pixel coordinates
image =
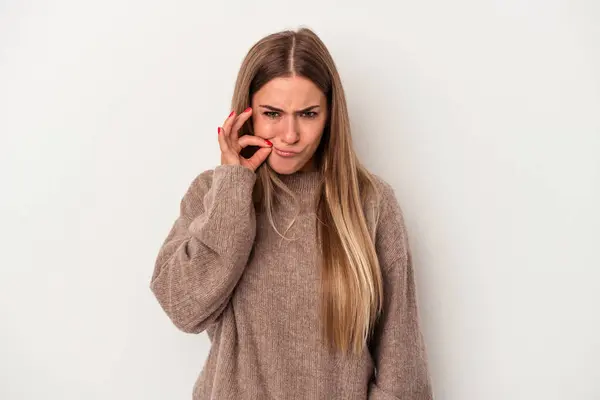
(397, 345)
(205, 253)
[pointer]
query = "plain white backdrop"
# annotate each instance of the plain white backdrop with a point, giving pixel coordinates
(483, 115)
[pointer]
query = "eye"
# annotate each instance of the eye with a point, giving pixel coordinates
(271, 114)
(309, 114)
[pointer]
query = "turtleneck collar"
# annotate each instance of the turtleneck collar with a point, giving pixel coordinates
(304, 184)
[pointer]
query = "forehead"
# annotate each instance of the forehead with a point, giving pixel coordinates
(293, 91)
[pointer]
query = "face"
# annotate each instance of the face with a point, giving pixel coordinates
(290, 112)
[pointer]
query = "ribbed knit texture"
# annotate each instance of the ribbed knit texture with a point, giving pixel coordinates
(224, 269)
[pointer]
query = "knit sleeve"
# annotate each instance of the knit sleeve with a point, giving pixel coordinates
(204, 254)
(397, 345)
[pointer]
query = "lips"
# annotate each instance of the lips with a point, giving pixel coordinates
(285, 153)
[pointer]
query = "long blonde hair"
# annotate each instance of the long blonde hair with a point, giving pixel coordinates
(351, 281)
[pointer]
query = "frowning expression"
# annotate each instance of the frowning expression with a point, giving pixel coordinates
(291, 112)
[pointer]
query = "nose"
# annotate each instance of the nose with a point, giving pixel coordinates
(290, 131)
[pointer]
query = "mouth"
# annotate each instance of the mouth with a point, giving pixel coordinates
(284, 153)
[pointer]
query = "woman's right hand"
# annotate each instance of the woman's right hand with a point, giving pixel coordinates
(232, 144)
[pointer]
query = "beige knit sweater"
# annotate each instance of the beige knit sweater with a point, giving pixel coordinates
(223, 269)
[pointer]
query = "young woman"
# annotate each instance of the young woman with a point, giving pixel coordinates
(290, 254)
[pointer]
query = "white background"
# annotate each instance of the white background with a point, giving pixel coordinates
(483, 115)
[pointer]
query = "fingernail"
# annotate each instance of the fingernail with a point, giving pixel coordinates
(219, 130)
(269, 142)
(248, 109)
(231, 114)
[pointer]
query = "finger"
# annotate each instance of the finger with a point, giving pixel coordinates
(239, 122)
(227, 128)
(258, 158)
(223, 145)
(251, 140)
(228, 121)
(227, 155)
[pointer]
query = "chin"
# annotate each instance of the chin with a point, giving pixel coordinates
(282, 168)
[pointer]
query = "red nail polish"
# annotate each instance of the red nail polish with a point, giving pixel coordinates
(231, 114)
(269, 142)
(219, 130)
(248, 109)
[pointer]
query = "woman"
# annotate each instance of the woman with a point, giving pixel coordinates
(290, 254)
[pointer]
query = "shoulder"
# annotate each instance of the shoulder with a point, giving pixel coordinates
(201, 184)
(385, 190)
(212, 181)
(391, 239)
(385, 200)
(192, 202)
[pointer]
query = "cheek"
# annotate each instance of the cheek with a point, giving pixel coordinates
(314, 132)
(264, 129)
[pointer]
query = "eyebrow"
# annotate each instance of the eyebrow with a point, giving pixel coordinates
(307, 109)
